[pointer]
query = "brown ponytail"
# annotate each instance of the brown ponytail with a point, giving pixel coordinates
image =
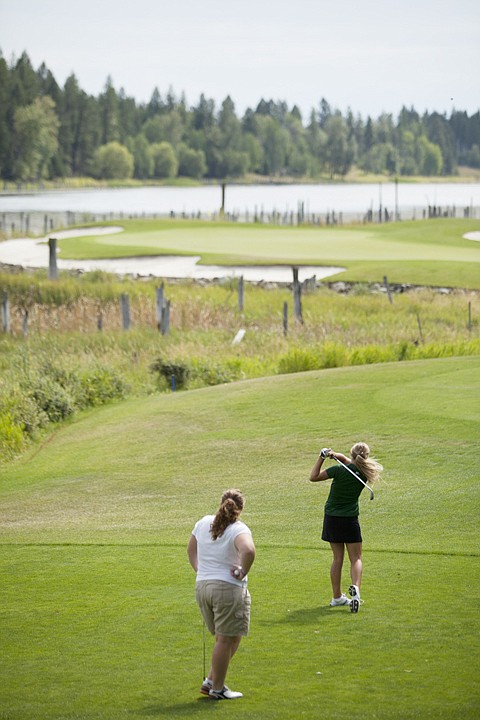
(229, 511)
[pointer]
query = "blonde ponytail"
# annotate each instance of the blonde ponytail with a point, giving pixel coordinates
(369, 467)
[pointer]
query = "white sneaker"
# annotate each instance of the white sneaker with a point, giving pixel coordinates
(224, 694)
(354, 593)
(342, 600)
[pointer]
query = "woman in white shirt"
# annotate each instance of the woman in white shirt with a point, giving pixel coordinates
(221, 551)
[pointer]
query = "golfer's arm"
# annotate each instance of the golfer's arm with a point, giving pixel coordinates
(192, 552)
(317, 473)
(246, 551)
(340, 456)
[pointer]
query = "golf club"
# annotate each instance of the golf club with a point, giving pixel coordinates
(354, 475)
(204, 659)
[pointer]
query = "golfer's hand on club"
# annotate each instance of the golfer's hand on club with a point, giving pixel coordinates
(325, 452)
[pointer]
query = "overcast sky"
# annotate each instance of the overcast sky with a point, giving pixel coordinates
(373, 56)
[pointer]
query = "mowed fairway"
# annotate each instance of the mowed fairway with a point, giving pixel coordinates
(98, 618)
(418, 252)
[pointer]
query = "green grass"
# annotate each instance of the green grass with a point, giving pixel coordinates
(97, 613)
(418, 252)
(65, 345)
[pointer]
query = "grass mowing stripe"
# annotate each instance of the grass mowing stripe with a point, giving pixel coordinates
(268, 546)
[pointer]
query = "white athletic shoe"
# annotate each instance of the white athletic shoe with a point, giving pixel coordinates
(225, 694)
(342, 600)
(354, 593)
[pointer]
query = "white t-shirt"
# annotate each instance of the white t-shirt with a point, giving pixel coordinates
(216, 557)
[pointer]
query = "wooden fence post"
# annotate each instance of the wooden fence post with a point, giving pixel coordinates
(285, 318)
(420, 328)
(297, 296)
(159, 303)
(385, 282)
(222, 209)
(25, 323)
(165, 322)
(310, 284)
(52, 261)
(125, 308)
(5, 313)
(240, 293)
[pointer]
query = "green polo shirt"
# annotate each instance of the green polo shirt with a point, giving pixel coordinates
(342, 500)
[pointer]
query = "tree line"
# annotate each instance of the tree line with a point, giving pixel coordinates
(48, 131)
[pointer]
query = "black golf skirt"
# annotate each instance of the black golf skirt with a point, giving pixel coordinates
(341, 529)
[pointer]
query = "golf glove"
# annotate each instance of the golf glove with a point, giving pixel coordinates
(324, 452)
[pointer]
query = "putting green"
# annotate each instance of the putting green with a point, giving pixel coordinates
(253, 244)
(426, 252)
(287, 246)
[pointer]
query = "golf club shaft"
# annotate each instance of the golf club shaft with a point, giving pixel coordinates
(355, 476)
(204, 653)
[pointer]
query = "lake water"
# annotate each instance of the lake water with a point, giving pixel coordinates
(247, 199)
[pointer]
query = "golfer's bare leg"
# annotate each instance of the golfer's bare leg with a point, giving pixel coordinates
(235, 644)
(234, 648)
(338, 550)
(224, 649)
(356, 566)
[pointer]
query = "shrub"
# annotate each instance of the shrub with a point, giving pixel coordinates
(404, 351)
(298, 360)
(24, 411)
(12, 439)
(370, 354)
(168, 370)
(213, 373)
(333, 355)
(99, 386)
(52, 398)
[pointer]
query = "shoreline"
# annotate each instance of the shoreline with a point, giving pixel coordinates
(178, 269)
(33, 253)
(341, 287)
(353, 178)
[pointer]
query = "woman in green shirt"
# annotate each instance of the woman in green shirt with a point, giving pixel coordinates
(340, 524)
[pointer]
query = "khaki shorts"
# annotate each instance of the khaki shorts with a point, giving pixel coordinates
(225, 607)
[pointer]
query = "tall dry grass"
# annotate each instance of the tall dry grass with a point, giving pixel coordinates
(359, 318)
